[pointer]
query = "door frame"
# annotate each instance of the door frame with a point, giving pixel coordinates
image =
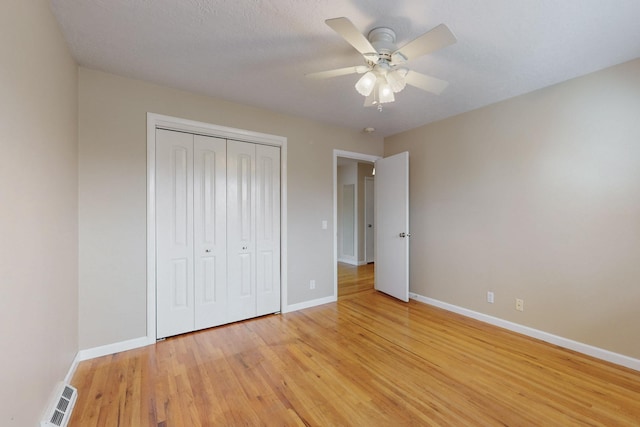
(347, 155)
(368, 181)
(159, 121)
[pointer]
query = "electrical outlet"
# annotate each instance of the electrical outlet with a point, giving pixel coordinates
(519, 304)
(312, 284)
(490, 297)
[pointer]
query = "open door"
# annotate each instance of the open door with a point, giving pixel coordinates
(392, 226)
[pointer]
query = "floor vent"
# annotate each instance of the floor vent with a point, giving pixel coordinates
(61, 407)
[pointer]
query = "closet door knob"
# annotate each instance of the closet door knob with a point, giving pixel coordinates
(207, 250)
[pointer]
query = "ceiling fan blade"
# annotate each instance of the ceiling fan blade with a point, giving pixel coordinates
(350, 33)
(424, 82)
(430, 41)
(358, 69)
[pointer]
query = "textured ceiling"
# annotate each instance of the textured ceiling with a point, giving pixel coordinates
(257, 52)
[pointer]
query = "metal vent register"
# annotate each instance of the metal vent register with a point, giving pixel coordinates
(61, 406)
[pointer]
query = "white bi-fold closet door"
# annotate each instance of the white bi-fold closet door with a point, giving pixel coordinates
(217, 231)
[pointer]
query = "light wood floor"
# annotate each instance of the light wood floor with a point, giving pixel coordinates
(353, 280)
(366, 360)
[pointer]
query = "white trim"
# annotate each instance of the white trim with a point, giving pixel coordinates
(155, 121)
(348, 155)
(356, 156)
(72, 369)
(104, 350)
(599, 353)
(284, 257)
(352, 261)
(151, 226)
(202, 128)
(309, 304)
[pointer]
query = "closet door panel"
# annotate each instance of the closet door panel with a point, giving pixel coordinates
(210, 242)
(174, 233)
(241, 230)
(268, 229)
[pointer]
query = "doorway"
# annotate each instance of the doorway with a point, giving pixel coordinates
(355, 280)
(353, 227)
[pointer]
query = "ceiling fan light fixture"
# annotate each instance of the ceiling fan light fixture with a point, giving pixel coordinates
(385, 72)
(366, 83)
(396, 79)
(385, 93)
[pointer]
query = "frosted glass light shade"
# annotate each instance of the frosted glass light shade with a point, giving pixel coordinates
(396, 79)
(385, 93)
(365, 84)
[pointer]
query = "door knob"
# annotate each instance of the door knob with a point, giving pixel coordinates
(207, 250)
(405, 234)
(369, 225)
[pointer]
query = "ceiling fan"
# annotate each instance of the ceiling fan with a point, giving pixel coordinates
(384, 71)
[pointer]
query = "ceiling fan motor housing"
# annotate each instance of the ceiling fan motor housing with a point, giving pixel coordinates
(383, 39)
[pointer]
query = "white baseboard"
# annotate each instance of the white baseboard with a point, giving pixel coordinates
(72, 369)
(105, 350)
(599, 353)
(117, 347)
(309, 304)
(352, 262)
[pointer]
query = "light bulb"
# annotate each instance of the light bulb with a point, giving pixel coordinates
(365, 85)
(385, 93)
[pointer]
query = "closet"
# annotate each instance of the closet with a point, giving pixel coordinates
(217, 231)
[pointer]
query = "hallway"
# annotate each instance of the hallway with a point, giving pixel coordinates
(354, 280)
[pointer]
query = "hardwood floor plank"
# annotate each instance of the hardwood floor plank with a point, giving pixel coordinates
(366, 360)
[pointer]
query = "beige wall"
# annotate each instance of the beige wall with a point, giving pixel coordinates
(112, 135)
(537, 197)
(38, 213)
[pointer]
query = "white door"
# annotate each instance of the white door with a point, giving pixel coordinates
(241, 230)
(217, 231)
(174, 233)
(369, 222)
(392, 226)
(210, 229)
(268, 229)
